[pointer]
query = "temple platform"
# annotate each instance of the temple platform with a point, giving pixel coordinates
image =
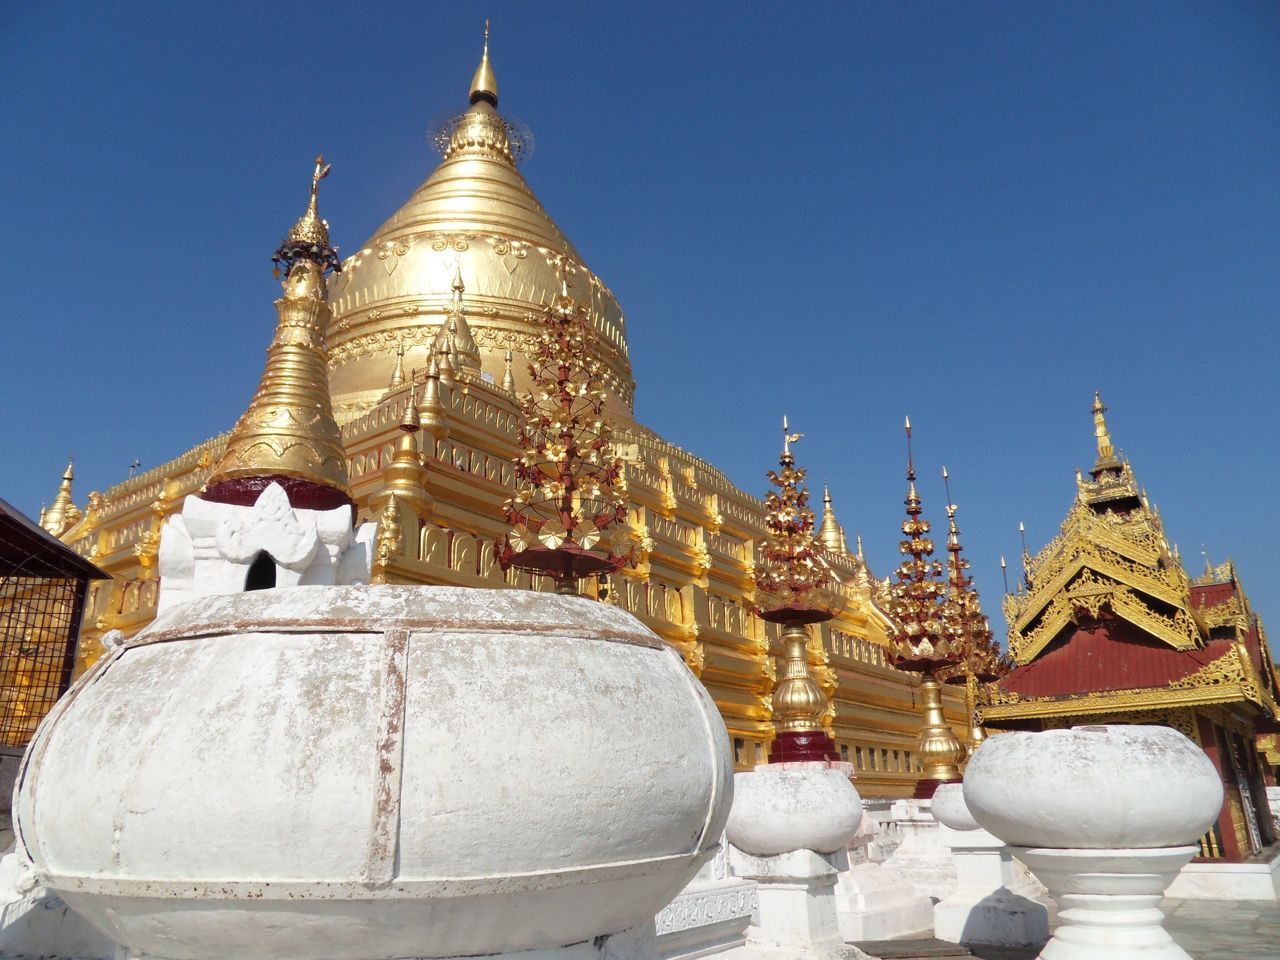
(1208, 930)
(1257, 879)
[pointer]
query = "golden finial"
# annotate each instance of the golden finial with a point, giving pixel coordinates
(1105, 450)
(860, 556)
(434, 416)
(308, 239)
(63, 514)
(508, 377)
(484, 85)
(445, 366)
(829, 532)
(397, 375)
(289, 430)
(455, 332)
(788, 438)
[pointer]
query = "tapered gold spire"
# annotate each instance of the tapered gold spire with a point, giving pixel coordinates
(397, 375)
(1106, 452)
(455, 332)
(63, 514)
(434, 416)
(288, 434)
(829, 533)
(508, 377)
(484, 85)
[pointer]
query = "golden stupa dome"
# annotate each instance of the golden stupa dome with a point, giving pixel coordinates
(474, 217)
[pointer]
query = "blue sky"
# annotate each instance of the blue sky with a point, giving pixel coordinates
(975, 214)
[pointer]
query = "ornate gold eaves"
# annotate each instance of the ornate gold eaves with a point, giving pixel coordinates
(1089, 594)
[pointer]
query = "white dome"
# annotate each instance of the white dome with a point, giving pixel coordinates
(383, 771)
(1094, 787)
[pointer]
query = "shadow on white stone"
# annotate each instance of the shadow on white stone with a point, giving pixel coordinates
(983, 909)
(789, 828)
(920, 858)
(872, 901)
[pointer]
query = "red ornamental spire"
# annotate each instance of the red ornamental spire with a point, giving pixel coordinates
(568, 502)
(920, 642)
(791, 572)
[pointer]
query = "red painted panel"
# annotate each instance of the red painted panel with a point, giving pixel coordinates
(1107, 654)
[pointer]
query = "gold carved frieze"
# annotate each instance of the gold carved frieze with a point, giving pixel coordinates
(1183, 720)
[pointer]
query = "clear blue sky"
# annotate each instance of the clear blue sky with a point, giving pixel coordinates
(976, 214)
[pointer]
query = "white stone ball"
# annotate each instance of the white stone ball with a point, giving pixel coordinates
(949, 808)
(1093, 787)
(368, 772)
(783, 807)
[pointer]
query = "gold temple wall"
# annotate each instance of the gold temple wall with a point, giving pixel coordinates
(690, 584)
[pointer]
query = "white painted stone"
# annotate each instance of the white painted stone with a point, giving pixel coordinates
(778, 808)
(983, 909)
(1218, 880)
(1105, 816)
(710, 915)
(360, 773)
(1103, 786)
(788, 831)
(796, 917)
(920, 858)
(207, 549)
(37, 923)
(872, 901)
(1273, 801)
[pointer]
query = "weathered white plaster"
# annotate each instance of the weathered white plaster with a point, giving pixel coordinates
(782, 807)
(920, 858)
(796, 917)
(788, 831)
(1102, 786)
(360, 773)
(207, 549)
(872, 901)
(1217, 880)
(1105, 816)
(710, 915)
(37, 923)
(983, 909)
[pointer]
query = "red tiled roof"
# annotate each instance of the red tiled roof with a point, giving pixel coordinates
(1107, 654)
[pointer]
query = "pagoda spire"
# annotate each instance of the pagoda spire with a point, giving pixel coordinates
(1106, 451)
(434, 416)
(921, 641)
(288, 434)
(63, 514)
(455, 332)
(793, 590)
(484, 85)
(508, 377)
(397, 375)
(405, 477)
(829, 533)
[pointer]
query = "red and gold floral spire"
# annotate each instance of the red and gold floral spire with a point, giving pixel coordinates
(982, 660)
(921, 641)
(792, 583)
(568, 509)
(288, 434)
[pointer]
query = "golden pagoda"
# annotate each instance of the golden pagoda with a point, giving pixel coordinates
(470, 263)
(1110, 629)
